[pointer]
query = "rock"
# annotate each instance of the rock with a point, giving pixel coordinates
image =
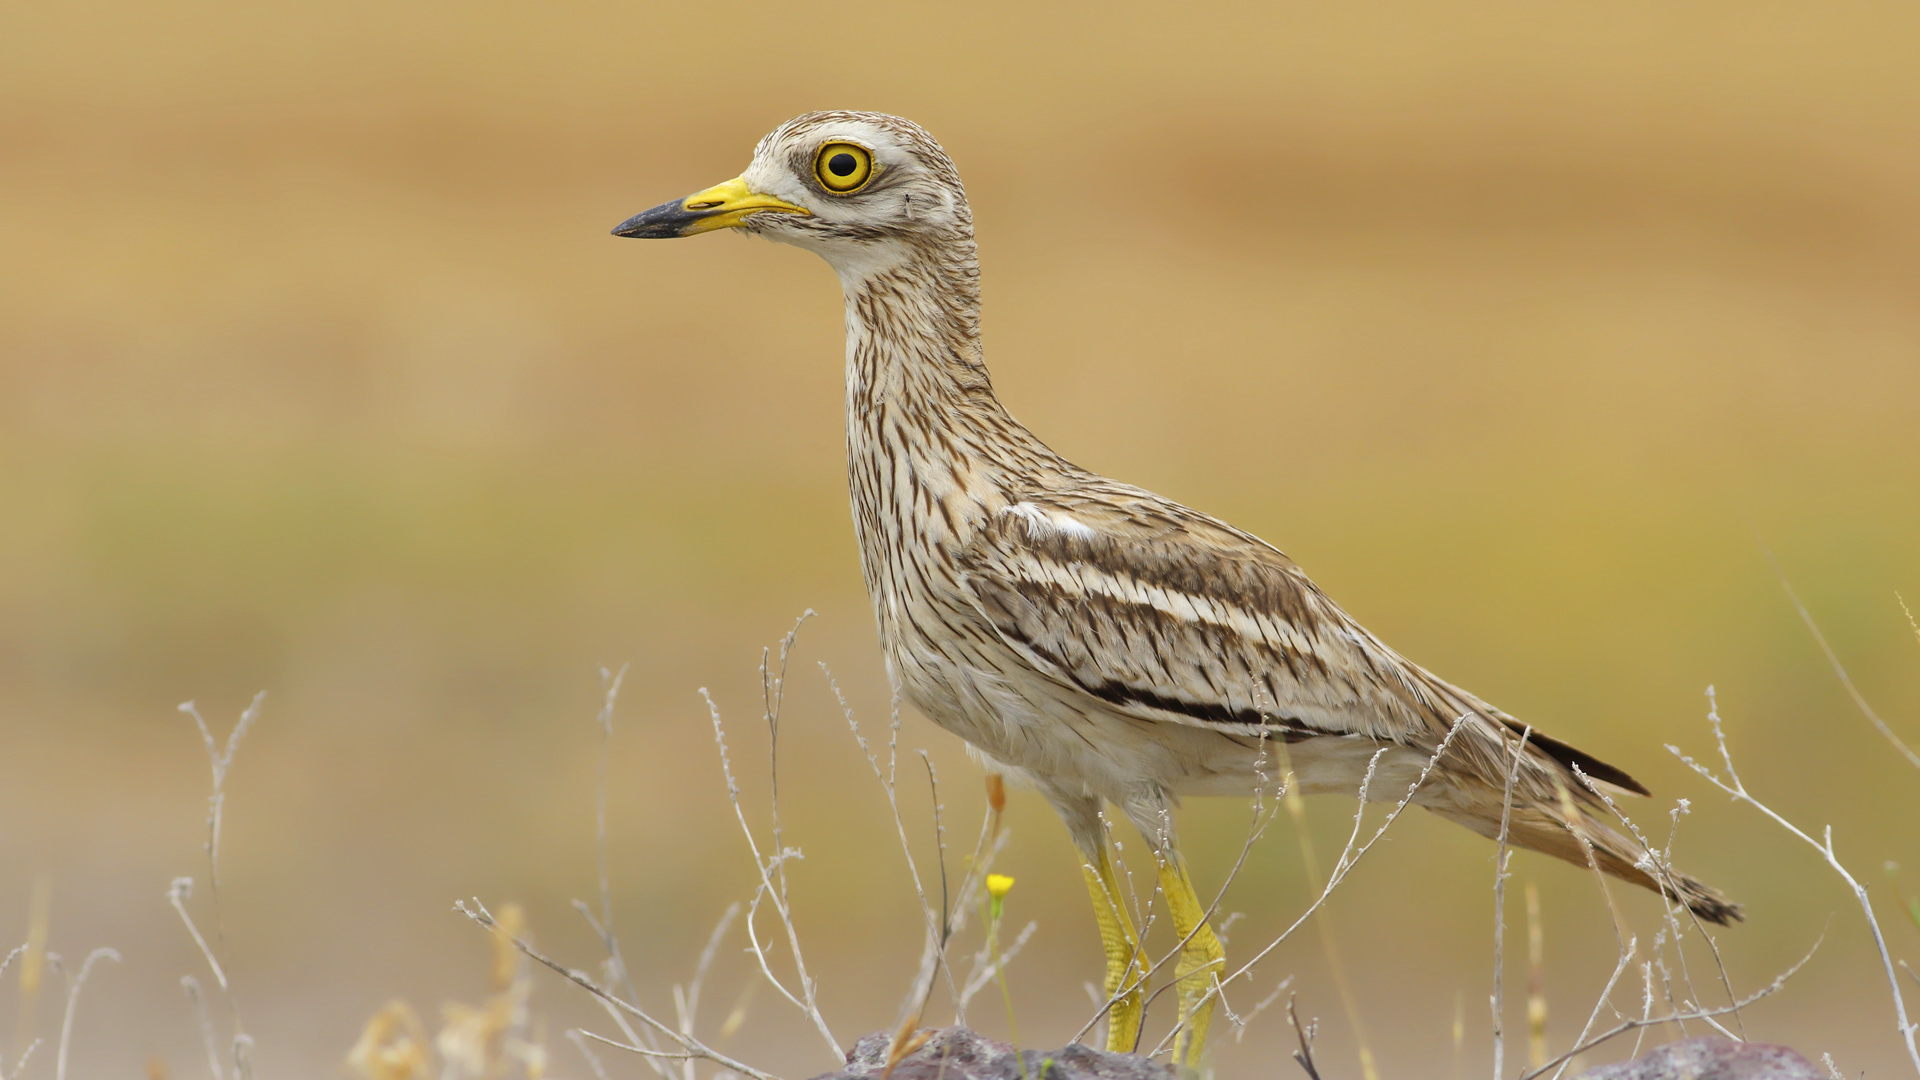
(1710, 1058)
(958, 1054)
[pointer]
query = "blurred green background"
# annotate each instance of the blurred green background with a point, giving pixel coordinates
(1523, 328)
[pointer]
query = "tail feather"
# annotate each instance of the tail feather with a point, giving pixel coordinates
(1545, 828)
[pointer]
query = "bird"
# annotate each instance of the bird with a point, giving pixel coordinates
(1087, 638)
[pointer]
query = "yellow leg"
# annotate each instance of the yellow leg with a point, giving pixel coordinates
(1202, 960)
(1122, 944)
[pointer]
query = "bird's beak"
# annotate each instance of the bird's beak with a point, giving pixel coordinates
(720, 207)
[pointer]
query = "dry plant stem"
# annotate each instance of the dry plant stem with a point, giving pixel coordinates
(767, 866)
(773, 689)
(981, 976)
(220, 760)
(613, 974)
(242, 1064)
(1350, 856)
(1839, 669)
(993, 841)
(1297, 810)
(611, 682)
(1536, 981)
(687, 1003)
(1501, 855)
(1659, 864)
(1698, 1014)
(690, 1046)
(946, 921)
(192, 987)
(20, 1065)
(1240, 1023)
(1304, 1055)
(177, 895)
(1738, 790)
(1626, 943)
(1606, 994)
(578, 1038)
(73, 1006)
(603, 928)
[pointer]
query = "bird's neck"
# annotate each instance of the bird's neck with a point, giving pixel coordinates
(914, 357)
(913, 331)
(930, 449)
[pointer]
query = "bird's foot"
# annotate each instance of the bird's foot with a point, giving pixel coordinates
(1126, 977)
(1202, 962)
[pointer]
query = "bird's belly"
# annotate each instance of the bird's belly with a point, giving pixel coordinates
(1018, 720)
(1041, 733)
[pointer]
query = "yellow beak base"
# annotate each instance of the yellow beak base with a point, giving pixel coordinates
(720, 207)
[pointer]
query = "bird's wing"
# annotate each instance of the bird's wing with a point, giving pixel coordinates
(1165, 614)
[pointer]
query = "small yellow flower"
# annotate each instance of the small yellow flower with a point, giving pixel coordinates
(998, 885)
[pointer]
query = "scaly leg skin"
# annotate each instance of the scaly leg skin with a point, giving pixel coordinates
(1202, 960)
(1122, 945)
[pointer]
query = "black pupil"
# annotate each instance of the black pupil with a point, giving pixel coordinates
(842, 164)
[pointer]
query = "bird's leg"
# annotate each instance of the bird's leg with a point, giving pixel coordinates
(1202, 960)
(1125, 975)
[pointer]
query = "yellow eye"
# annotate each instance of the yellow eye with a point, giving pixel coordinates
(843, 168)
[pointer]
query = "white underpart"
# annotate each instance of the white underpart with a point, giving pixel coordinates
(1042, 523)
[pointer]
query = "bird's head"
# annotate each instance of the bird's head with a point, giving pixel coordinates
(858, 188)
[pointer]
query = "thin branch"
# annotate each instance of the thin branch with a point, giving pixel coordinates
(611, 965)
(766, 867)
(479, 914)
(1500, 862)
(1658, 864)
(1350, 857)
(220, 761)
(773, 690)
(706, 960)
(578, 1038)
(73, 1006)
(1733, 787)
(1698, 1014)
(1241, 1023)
(610, 684)
(980, 977)
(1840, 670)
(177, 895)
(20, 1064)
(1304, 1035)
(1606, 994)
(192, 987)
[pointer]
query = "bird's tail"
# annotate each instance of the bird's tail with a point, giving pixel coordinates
(1560, 830)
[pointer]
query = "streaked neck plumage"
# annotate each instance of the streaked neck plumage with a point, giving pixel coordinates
(930, 449)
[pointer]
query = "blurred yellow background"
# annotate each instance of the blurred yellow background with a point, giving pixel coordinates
(1522, 327)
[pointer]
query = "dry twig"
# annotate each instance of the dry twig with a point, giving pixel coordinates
(690, 1047)
(1733, 786)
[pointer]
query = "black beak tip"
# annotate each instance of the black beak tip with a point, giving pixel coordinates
(638, 227)
(663, 222)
